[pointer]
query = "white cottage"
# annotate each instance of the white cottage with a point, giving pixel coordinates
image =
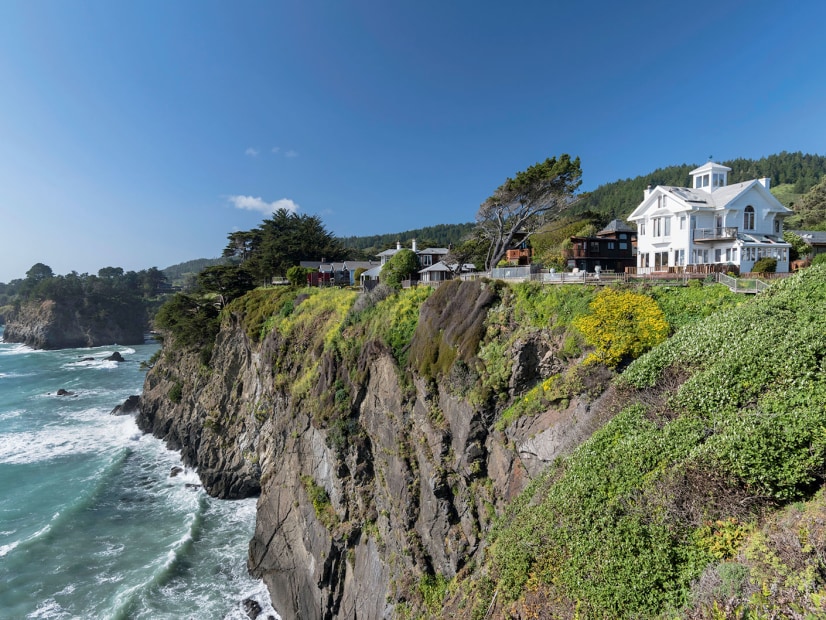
(710, 224)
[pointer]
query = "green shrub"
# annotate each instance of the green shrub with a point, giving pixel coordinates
(175, 393)
(820, 259)
(433, 589)
(765, 265)
(322, 506)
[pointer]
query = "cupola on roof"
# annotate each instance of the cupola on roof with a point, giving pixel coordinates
(710, 176)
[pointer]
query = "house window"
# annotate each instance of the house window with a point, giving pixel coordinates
(655, 227)
(693, 222)
(748, 218)
(700, 257)
(642, 229)
(733, 255)
(718, 255)
(776, 227)
(682, 222)
(667, 226)
(623, 245)
(610, 245)
(623, 236)
(660, 261)
(679, 257)
(643, 260)
(595, 246)
(426, 260)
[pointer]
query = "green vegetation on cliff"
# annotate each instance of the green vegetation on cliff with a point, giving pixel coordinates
(667, 509)
(718, 425)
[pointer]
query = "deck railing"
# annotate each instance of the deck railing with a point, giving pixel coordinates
(711, 234)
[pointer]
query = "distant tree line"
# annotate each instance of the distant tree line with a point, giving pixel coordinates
(134, 294)
(441, 235)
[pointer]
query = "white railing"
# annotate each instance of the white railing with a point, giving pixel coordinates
(742, 285)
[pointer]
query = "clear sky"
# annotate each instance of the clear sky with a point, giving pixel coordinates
(139, 134)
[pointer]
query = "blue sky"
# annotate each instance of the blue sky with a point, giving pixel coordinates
(139, 134)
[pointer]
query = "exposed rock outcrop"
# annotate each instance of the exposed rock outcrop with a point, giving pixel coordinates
(52, 325)
(129, 406)
(354, 510)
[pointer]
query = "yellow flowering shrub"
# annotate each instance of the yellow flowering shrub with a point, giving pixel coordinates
(622, 325)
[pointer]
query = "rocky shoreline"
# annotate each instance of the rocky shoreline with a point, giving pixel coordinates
(52, 325)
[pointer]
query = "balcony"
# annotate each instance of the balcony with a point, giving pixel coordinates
(519, 256)
(715, 234)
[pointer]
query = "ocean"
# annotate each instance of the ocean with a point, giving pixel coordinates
(92, 524)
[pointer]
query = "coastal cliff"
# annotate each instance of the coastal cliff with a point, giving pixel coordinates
(370, 434)
(468, 452)
(70, 323)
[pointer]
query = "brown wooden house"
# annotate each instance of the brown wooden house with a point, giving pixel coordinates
(611, 249)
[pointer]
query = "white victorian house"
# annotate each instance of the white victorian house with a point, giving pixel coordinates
(710, 225)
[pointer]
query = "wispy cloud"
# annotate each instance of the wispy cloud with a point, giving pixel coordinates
(251, 152)
(275, 149)
(291, 154)
(251, 203)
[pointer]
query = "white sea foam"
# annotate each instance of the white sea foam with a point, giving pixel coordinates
(56, 441)
(18, 349)
(6, 549)
(98, 362)
(48, 609)
(8, 415)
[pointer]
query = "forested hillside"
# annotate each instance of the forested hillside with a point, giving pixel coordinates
(619, 198)
(178, 274)
(441, 235)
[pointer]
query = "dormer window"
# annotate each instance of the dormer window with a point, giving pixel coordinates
(748, 218)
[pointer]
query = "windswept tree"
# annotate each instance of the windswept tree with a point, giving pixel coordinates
(521, 205)
(226, 281)
(282, 241)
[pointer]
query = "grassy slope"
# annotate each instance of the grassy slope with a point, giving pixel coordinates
(722, 424)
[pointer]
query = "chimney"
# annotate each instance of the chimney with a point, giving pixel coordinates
(647, 192)
(766, 182)
(414, 245)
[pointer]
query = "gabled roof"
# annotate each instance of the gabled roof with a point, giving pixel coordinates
(701, 199)
(615, 226)
(440, 266)
(372, 273)
(812, 236)
(433, 251)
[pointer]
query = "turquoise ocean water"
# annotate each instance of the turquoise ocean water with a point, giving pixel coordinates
(91, 523)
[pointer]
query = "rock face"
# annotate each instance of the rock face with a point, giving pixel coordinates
(52, 325)
(351, 514)
(129, 406)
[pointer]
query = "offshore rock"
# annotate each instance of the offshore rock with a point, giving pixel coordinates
(129, 406)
